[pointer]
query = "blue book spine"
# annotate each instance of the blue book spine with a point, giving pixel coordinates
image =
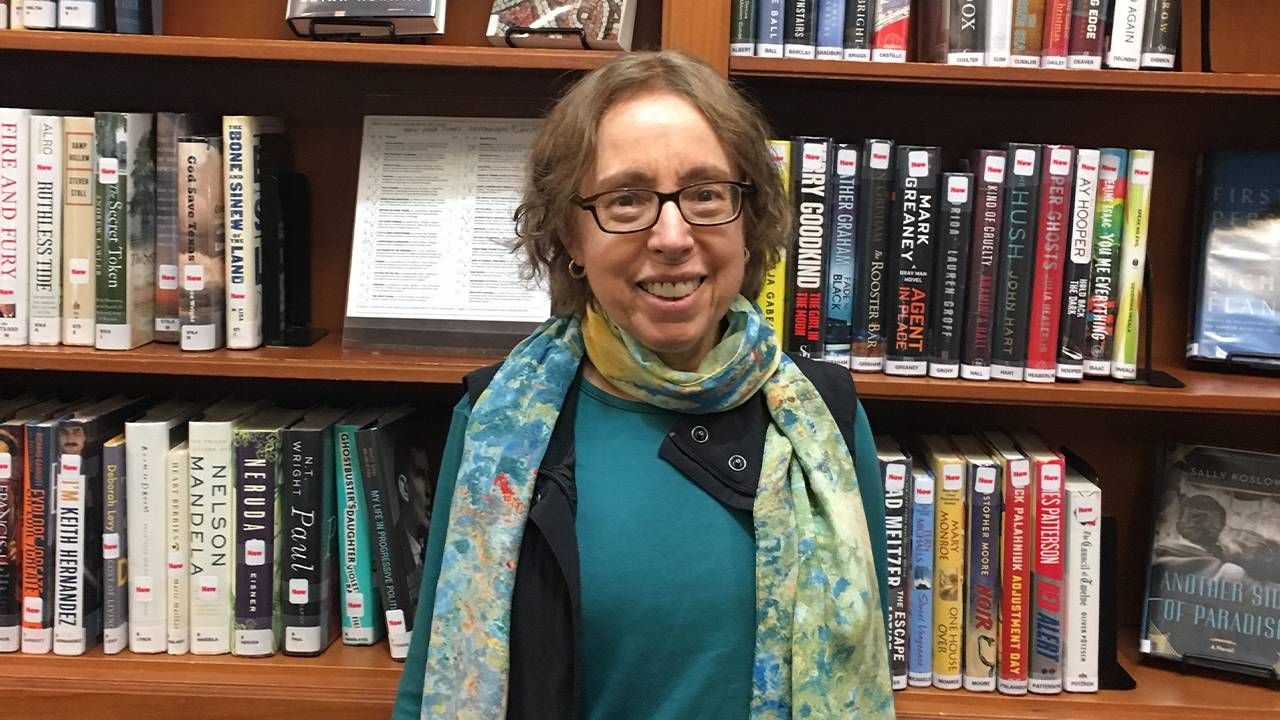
(920, 604)
(771, 19)
(843, 165)
(831, 30)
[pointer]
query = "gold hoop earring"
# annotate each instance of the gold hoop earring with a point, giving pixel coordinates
(746, 255)
(576, 271)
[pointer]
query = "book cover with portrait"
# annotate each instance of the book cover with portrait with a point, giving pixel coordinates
(603, 24)
(1213, 592)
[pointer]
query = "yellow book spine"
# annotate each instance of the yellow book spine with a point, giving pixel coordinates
(773, 291)
(948, 575)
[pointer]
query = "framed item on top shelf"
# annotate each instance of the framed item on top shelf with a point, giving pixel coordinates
(365, 19)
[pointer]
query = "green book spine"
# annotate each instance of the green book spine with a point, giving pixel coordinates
(125, 207)
(112, 222)
(1133, 257)
(1113, 179)
(362, 618)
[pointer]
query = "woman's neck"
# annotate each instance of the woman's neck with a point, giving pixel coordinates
(593, 376)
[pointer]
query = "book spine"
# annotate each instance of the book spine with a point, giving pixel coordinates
(395, 603)
(800, 39)
(240, 144)
(201, 297)
(1027, 34)
(920, 603)
(362, 621)
(809, 191)
(177, 564)
(39, 14)
(1057, 34)
(1088, 35)
(773, 290)
(45, 294)
(1046, 288)
(930, 29)
(830, 30)
(69, 631)
(79, 236)
(892, 28)
(859, 24)
(999, 30)
(4, 16)
(984, 258)
(1015, 591)
(115, 552)
(1133, 258)
(212, 519)
(1013, 290)
(145, 448)
(897, 543)
(257, 543)
(948, 577)
(771, 20)
(1113, 178)
(1127, 24)
(301, 575)
(840, 262)
(40, 522)
(951, 275)
(15, 147)
(125, 281)
(742, 24)
(168, 127)
(1046, 582)
(982, 631)
(1075, 281)
(1160, 38)
(12, 439)
(967, 42)
(914, 220)
(1080, 628)
(81, 15)
(872, 297)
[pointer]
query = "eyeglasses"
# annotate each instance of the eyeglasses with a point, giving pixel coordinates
(631, 210)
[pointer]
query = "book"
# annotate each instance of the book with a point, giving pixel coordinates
(125, 210)
(830, 34)
(1133, 258)
(873, 298)
(1081, 573)
(202, 271)
(1016, 532)
(911, 261)
(177, 529)
(351, 19)
(1237, 261)
(398, 489)
(800, 36)
(894, 467)
(1088, 34)
(982, 579)
(771, 20)
(4, 15)
(309, 576)
(810, 187)
(931, 21)
(212, 519)
(88, 15)
(949, 560)
(859, 27)
(951, 276)
(1046, 579)
(1160, 35)
(892, 28)
(115, 548)
(1057, 34)
(920, 601)
(742, 26)
(773, 289)
(1075, 280)
(79, 234)
(1051, 242)
(363, 622)
(967, 33)
(45, 233)
(1013, 286)
(1104, 293)
(32, 438)
(999, 29)
(39, 14)
(242, 139)
(137, 17)
(12, 455)
(984, 258)
(1215, 560)
(1027, 35)
(838, 334)
(597, 24)
(1124, 52)
(15, 144)
(172, 169)
(258, 491)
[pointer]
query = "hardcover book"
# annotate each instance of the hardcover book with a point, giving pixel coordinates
(45, 292)
(859, 27)
(967, 33)
(982, 579)
(1057, 34)
(873, 297)
(843, 164)
(1016, 529)
(1083, 542)
(12, 455)
(1027, 36)
(202, 247)
(172, 170)
(916, 225)
(125, 207)
(1088, 34)
(771, 21)
(363, 622)
(1160, 36)
(88, 15)
(1013, 288)
(177, 528)
(773, 290)
(34, 432)
(920, 601)
(801, 34)
(892, 30)
(115, 548)
(597, 24)
(949, 561)
(1104, 293)
(1046, 579)
(1133, 258)
(1127, 24)
(243, 137)
(999, 32)
(79, 234)
(894, 468)
(15, 144)
(810, 187)
(1075, 281)
(830, 36)
(354, 19)
(742, 26)
(1051, 242)
(1214, 579)
(984, 259)
(951, 276)
(39, 14)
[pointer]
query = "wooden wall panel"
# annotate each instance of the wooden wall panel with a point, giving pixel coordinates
(700, 28)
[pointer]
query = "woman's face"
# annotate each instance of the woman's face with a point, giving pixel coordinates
(668, 286)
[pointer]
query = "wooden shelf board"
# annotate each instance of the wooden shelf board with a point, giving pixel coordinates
(985, 77)
(304, 51)
(327, 360)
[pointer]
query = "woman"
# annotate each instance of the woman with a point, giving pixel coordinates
(649, 511)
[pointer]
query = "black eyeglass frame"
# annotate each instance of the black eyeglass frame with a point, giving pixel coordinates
(588, 203)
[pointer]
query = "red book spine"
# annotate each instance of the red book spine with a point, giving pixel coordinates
(1088, 34)
(1015, 605)
(1057, 33)
(1046, 288)
(1047, 642)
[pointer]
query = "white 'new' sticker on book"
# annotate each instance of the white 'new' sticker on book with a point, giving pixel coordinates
(1087, 512)
(952, 477)
(1142, 166)
(958, 189)
(918, 163)
(395, 624)
(985, 482)
(1024, 162)
(108, 170)
(880, 156)
(1021, 472)
(1051, 478)
(32, 609)
(1060, 161)
(110, 546)
(846, 162)
(78, 271)
(177, 562)
(255, 552)
(143, 589)
(299, 591)
(1110, 168)
(924, 489)
(6, 466)
(7, 291)
(70, 464)
(895, 478)
(814, 158)
(355, 604)
(193, 277)
(167, 277)
(207, 587)
(994, 170)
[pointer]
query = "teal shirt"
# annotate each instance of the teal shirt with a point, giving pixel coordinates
(667, 572)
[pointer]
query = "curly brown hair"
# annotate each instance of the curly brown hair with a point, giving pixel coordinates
(565, 147)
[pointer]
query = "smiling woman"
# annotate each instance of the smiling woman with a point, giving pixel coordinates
(648, 510)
